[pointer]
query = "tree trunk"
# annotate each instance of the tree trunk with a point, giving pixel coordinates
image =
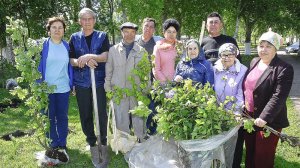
(111, 12)
(88, 4)
(236, 33)
(24, 15)
(248, 38)
(9, 51)
(2, 33)
(237, 22)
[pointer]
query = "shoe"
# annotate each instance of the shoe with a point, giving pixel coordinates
(59, 154)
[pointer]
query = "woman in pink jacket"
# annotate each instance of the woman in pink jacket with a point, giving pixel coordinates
(165, 52)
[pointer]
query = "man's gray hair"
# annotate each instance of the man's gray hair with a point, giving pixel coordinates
(86, 11)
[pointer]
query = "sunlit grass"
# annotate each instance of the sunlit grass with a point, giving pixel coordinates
(20, 151)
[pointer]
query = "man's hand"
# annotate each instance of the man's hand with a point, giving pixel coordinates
(82, 60)
(92, 63)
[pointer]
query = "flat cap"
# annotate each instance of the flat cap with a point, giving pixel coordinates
(129, 25)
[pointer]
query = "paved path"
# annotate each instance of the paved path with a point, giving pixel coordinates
(295, 91)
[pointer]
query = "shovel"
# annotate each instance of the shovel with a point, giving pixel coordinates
(103, 155)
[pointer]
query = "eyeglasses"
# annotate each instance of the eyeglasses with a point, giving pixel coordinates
(171, 32)
(223, 56)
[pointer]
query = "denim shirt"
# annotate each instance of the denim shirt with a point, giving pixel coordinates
(198, 69)
(44, 56)
(82, 76)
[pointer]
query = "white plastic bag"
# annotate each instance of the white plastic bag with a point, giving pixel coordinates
(201, 153)
(154, 153)
(118, 140)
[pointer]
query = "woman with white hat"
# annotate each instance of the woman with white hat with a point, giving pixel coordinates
(266, 87)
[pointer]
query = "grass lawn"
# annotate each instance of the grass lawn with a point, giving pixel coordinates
(20, 152)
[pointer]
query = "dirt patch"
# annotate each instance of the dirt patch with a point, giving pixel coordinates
(17, 134)
(12, 103)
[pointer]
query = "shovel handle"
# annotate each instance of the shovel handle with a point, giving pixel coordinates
(95, 105)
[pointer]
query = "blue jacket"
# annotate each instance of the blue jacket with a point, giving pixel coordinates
(44, 55)
(82, 76)
(197, 69)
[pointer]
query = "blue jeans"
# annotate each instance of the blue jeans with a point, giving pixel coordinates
(150, 123)
(58, 116)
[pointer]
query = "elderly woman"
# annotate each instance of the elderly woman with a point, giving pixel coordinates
(266, 87)
(194, 66)
(57, 71)
(229, 74)
(165, 52)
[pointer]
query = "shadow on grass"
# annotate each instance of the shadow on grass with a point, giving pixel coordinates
(13, 119)
(80, 159)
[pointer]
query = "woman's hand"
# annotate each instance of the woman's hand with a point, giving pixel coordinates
(260, 122)
(178, 78)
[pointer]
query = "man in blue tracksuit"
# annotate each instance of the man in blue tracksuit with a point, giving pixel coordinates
(89, 49)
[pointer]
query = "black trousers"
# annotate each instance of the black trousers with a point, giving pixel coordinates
(85, 103)
(238, 152)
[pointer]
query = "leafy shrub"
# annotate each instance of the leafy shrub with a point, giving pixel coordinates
(191, 112)
(246, 59)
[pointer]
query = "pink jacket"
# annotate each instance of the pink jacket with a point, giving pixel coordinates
(164, 62)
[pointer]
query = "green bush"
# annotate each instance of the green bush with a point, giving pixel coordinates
(246, 59)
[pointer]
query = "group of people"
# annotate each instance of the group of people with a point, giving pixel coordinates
(263, 88)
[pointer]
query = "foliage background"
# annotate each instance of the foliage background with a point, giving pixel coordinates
(243, 18)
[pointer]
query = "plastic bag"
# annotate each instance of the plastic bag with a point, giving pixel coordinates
(118, 140)
(154, 153)
(45, 161)
(202, 153)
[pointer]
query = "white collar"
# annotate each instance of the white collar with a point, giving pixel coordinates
(219, 66)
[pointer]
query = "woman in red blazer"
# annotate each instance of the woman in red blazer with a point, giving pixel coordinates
(266, 88)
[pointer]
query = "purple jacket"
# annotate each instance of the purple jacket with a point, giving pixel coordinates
(229, 83)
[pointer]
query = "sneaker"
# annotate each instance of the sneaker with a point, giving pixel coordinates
(59, 154)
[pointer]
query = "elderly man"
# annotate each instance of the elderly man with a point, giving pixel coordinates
(89, 49)
(215, 38)
(122, 59)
